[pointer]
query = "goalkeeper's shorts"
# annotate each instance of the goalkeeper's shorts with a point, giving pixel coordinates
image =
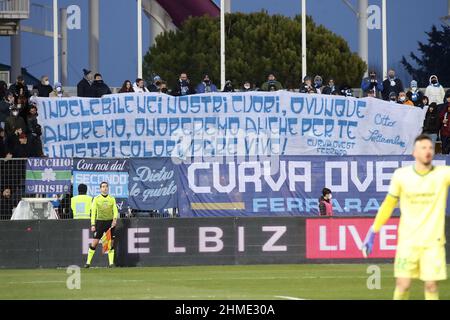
(424, 263)
(101, 226)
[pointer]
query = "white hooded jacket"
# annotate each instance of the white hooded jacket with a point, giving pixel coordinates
(139, 90)
(435, 93)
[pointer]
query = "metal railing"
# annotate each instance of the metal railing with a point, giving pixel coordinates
(14, 6)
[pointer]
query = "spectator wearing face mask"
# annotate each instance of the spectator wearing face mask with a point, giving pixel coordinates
(306, 86)
(127, 87)
(228, 86)
(435, 92)
(393, 97)
(99, 87)
(84, 87)
(391, 84)
(271, 84)
(318, 84)
(44, 88)
(155, 86)
(139, 86)
(247, 86)
(206, 85)
(403, 99)
(325, 203)
(431, 124)
(14, 126)
(58, 92)
(183, 86)
(415, 95)
(371, 83)
(163, 88)
(330, 88)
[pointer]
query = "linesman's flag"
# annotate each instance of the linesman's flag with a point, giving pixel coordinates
(106, 241)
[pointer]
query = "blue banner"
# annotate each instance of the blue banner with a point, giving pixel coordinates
(48, 176)
(92, 172)
(226, 124)
(291, 185)
(153, 184)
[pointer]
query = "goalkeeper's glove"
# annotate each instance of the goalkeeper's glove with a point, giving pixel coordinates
(368, 243)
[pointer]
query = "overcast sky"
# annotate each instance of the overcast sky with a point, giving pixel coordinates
(408, 20)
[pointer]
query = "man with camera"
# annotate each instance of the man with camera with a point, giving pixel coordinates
(371, 84)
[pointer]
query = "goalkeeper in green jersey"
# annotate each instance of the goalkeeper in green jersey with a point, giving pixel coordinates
(103, 216)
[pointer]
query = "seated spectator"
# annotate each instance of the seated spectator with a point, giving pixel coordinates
(155, 86)
(393, 97)
(183, 86)
(318, 84)
(228, 86)
(44, 88)
(425, 102)
(127, 87)
(330, 88)
(59, 91)
(391, 84)
(2, 143)
(272, 84)
(403, 99)
(99, 88)
(206, 85)
(19, 84)
(306, 86)
(139, 86)
(247, 86)
(371, 83)
(84, 87)
(445, 129)
(435, 92)
(431, 124)
(414, 94)
(7, 204)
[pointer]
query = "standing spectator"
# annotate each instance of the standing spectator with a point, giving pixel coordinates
(7, 204)
(330, 88)
(184, 86)
(391, 84)
(20, 84)
(44, 88)
(14, 126)
(2, 143)
(371, 83)
(346, 91)
(318, 84)
(58, 92)
(445, 130)
(163, 88)
(247, 86)
(435, 92)
(393, 97)
(99, 88)
(206, 86)
(84, 88)
(403, 99)
(228, 86)
(5, 107)
(155, 86)
(139, 86)
(446, 104)
(414, 94)
(127, 87)
(34, 131)
(3, 89)
(325, 203)
(306, 86)
(272, 84)
(431, 124)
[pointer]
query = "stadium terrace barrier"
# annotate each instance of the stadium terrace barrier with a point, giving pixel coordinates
(197, 241)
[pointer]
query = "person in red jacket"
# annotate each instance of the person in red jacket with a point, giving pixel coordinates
(325, 203)
(445, 129)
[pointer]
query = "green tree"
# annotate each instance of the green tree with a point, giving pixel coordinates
(434, 60)
(256, 44)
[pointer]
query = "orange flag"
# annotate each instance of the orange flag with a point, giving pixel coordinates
(106, 241)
